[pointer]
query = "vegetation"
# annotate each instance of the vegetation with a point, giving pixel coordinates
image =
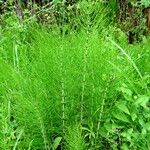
(73, 82)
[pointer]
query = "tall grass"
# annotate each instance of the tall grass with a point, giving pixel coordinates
(74, 91)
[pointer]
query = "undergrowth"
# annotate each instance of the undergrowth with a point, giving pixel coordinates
(85, 89)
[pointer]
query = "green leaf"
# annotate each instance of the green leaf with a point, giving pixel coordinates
(121, 116)
(122, 106)
(142, 101)
(126, 91)
(56, 142)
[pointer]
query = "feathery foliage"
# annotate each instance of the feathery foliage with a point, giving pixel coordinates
(77, 89)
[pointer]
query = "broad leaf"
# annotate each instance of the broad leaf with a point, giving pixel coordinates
(142, 101)
(122, 106)
(121, 116)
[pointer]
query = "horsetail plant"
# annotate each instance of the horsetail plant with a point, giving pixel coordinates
(71, 89)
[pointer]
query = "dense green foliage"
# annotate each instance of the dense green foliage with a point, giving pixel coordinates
(84, 89)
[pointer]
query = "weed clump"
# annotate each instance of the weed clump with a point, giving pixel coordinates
(87, 89)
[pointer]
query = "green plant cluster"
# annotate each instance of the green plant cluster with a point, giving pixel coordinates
(84, 89)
